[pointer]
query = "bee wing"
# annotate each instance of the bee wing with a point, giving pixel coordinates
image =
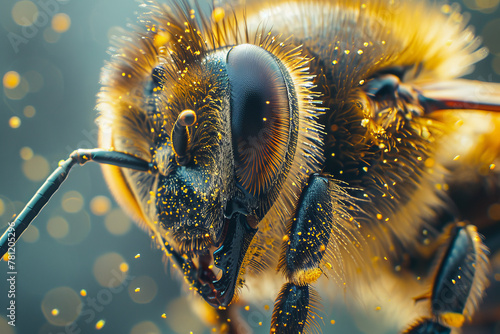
(461, 94)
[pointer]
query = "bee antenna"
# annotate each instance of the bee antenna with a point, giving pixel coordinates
(181, 136)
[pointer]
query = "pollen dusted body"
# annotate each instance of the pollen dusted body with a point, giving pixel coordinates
(314, 158)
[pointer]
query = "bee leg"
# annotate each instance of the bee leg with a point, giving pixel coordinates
(303, 248)
(459, 282)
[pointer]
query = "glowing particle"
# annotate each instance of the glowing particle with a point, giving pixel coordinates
(247, 308)
(360, 52)
(11, 79)
(164, 316)
(83, 292)
(55, 312)
(266, 307)
(14, 122)
(218, 14)
(260, 323)
(492, 166)
(456, 158)
(124, 267)
(6, 257)
(61, 22)
(334, 62)
(137, 290)
(332, 322)
(347, 52)
(138, 256)
(100, 324)
(378, 308)
(285, 238)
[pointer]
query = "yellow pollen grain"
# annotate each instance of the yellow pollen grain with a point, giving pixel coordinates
(100, 324)
(456, 158)
(164, 316)
(332, 322)
(453, 319)
(378, 308)
(138, 256)
(83, 292)
(137, 290)
(379, 216)
(55, 312)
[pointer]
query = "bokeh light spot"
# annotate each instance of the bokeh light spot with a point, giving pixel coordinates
(57, 227)
(107, 270)
(35, 81)
(50, 35)
(83, 292)
(494, 211)
(142, 289)
(100, 205)
(14, 122)
(5, 328)
(72, 201)
(79, 228)
(61, 22)
(31, 234)
(37, 168)
(26, 153)
(117, 222)
(490, 36)
(181, 317)
(66, 301)
(11, 79)
(19, 92)
(29, 111)
(495, 63)
(145, 327)
(24, 13)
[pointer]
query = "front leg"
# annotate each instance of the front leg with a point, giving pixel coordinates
(317, 235)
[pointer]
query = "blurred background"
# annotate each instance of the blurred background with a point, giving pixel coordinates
(83, 253)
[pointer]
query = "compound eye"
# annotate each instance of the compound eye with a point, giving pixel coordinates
(260, 116)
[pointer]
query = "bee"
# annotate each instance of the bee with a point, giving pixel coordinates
(299, 148)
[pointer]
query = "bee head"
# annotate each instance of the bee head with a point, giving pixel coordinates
(229, 122)
(228, 127)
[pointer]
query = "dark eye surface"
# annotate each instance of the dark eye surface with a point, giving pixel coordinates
(260, 116)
